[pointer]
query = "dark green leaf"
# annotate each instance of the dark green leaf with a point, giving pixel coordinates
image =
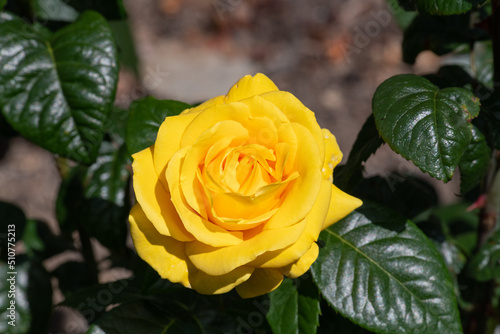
(424, 124)
(146, 116)
(151, 318)
(125, 43)
(292, 310)
(54, 10)
(28, 292)
(475, 161)
(58, 92)
(441, 35)
(332, 322)
(367, 142)
(117, 125)
(485, 265)
(96, 197)
(441, 7)
(2, 3)
(110, 9)
(450, 76)
(408, 196)
(383, 273)
(31, 239)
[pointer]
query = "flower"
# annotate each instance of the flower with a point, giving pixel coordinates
(235, 191)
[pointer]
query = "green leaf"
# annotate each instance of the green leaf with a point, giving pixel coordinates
(58, 92)
(408, 196)
(475, 161)
(441, 35)
(149, 317)
(441, 7)
(125, 43)
(30, 297)
(383, 273)
(146, 116)
(96, 197)
(54, 10)
(293, 308)
(367, 142)
(2, 4)
(485, 265)
(425, 124)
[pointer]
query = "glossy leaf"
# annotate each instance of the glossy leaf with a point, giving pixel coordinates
(475, 161)
(383, 273)
(425, 124)
(58, 92)
(294, 309)
(441, 7)
(146, 116)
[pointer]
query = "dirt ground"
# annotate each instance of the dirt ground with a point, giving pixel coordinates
(331, 54)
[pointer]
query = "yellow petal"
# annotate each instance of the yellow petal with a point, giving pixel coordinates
(261, 282)
(341, 205)
(210, 285)
(222, 260)
(249, 86)
(304, 263)
(168, 142)
(333, 155)
(166, 255)
(296, 112)
(206, 119)
(207, 104)
(155, 199)
(202, 229)
(303, 191)
(314, 224)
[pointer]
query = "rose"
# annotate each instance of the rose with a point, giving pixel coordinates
(235, 191)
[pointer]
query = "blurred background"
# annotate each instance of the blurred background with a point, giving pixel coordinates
(331, 54)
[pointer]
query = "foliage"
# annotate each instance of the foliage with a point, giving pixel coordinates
(400, 264)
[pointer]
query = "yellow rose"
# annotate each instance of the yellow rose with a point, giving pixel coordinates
(235, 191)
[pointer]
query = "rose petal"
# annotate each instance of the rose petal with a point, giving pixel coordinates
(168, 142)
(303, 191)
(249, 86)
(296, 112)
(314, 225)
(202, 229)
(211, 285)
(341, 205)
(155, 199)
(166, 255)
(221, 260)
(304, 263)
(261, 282)
(333, 155)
